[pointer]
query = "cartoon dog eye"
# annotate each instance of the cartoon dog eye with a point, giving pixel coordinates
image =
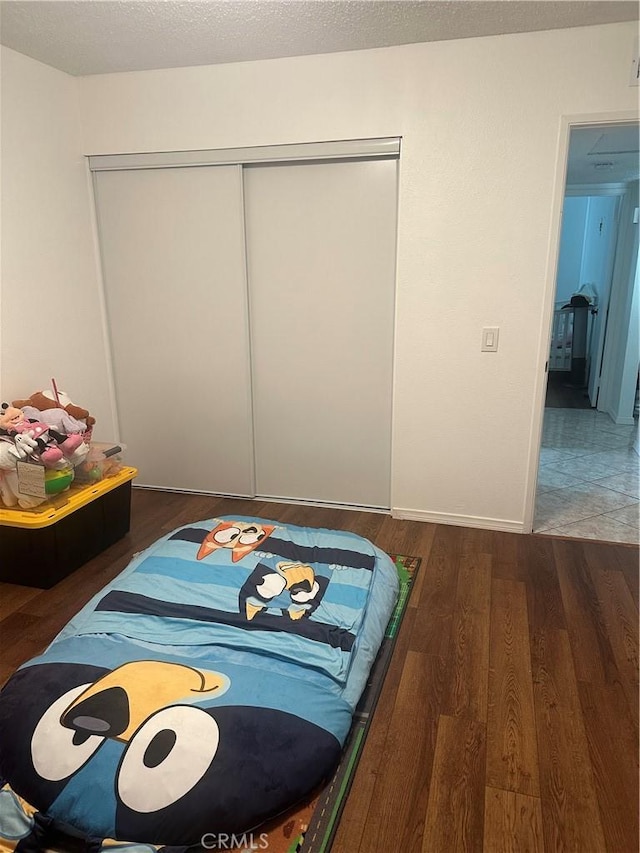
(226, 535)
(303, 595)
(251, 535)
(167, 757)
(58, 751)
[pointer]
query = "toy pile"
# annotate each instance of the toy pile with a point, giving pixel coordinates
(51, 432)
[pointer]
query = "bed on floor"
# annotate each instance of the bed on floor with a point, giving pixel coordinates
(206, 689)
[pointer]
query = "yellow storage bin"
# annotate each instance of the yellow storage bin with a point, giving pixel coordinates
(39, 547)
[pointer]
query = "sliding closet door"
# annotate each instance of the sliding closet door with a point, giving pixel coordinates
(321, 241)
(172, 244)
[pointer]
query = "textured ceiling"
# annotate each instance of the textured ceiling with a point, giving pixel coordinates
(606, 154)
(101, 36)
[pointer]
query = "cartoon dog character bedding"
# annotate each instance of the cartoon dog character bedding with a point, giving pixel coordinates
(208, 688)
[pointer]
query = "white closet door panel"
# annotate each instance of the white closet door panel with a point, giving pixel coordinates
(172, 243)
(321, 244)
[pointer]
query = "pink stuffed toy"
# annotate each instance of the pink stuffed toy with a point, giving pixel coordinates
(49, 445)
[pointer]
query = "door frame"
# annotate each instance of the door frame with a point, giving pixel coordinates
(619, 367)
(600, 321)
(567, 123)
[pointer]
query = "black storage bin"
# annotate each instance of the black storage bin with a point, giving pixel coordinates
(40, 556)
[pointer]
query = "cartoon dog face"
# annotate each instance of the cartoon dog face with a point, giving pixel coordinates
(144, 753)
(239, 536)
(118, 703)
(265, 586)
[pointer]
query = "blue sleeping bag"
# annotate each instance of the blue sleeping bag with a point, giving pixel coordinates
(209, 687)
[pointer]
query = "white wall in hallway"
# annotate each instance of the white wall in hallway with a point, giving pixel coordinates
(574, 214)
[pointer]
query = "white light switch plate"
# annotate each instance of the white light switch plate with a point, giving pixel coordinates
(490, 336)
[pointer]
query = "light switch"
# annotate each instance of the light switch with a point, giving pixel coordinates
(490, 339)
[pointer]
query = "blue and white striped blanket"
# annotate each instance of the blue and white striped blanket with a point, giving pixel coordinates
(209, 687)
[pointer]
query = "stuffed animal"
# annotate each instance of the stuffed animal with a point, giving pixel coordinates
(59, 419)
(51, 446)
(21, 444)
(43, 400)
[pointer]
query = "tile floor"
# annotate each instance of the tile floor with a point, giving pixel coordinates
(588, 477)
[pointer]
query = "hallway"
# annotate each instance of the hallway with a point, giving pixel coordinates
(588, 477)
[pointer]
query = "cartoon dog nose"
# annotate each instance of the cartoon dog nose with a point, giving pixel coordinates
(105, 713)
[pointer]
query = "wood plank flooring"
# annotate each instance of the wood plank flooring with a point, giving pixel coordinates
(509, 717)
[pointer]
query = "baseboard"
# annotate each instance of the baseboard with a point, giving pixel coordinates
(620, 420)
(263, 499)
(325, 504)
(502, 524)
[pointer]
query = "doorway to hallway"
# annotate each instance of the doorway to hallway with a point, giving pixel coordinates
(587, 483)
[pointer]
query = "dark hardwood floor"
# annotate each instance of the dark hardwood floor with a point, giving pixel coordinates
(561, 394)
(509, 717)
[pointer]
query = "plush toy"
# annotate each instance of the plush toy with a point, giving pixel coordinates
(43, 400)
(59, 419)
(22, 443)
(51, 446)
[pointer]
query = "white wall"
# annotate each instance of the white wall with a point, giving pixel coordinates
(599, 241)
(478, 216)
(574, 216)
(51, 322)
